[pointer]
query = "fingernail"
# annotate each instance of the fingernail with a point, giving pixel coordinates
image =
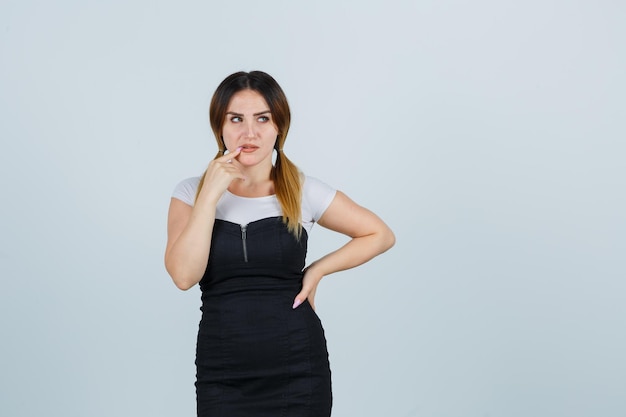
(296, 303)
(240, 148)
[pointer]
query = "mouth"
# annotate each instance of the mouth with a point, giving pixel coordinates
(249, 148)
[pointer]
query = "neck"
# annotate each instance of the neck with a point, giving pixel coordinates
(257, 173)
(257, 183)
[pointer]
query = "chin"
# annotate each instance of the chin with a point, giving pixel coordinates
(251, 160)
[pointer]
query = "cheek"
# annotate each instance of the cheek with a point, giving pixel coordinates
(229, 133)
(229, 140)
(271, 132)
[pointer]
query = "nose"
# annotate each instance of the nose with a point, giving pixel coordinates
(250, 130)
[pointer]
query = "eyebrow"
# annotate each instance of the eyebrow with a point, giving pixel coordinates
(255, 114)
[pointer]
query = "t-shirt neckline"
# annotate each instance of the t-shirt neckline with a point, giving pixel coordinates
(250, 198)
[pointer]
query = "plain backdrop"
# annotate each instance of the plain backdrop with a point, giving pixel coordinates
(488, 134)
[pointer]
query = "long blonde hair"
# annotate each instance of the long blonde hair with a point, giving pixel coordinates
(285, 175)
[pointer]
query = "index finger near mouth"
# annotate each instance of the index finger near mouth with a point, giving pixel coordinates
(230, 155)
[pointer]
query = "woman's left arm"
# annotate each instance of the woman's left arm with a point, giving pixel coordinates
(370, 237)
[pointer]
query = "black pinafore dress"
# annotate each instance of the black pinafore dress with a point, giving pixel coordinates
(255, 355)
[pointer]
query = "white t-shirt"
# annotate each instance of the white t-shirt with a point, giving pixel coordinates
(316, 197)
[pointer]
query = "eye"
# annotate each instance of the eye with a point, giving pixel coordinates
(236, 119)
(264, 119)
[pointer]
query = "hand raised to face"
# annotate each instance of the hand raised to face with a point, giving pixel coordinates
(219, 174)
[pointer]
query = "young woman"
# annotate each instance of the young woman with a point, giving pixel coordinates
(240, 231)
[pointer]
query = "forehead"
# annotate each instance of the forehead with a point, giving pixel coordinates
(247, 101)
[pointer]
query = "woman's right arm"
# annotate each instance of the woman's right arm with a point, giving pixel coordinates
(189, 229)
(189, 232)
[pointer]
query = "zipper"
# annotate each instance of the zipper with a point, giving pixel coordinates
(244, 228)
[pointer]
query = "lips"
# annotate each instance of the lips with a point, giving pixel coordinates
(248, 148)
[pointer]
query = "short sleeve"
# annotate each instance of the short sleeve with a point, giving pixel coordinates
(185, 191)
(316, 197)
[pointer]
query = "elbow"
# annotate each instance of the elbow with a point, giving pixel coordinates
(382, 240)
(182, 285)
(385, 238)
(181, 281)
(388, 239)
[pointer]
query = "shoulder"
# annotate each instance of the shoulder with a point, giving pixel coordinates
(186, 190)
(316, 196)
(313, 183)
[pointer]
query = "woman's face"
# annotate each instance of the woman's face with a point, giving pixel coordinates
(249, 125)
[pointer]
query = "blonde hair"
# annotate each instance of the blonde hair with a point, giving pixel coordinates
(285, 175)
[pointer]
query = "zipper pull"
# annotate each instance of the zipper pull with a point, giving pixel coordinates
(244, 228)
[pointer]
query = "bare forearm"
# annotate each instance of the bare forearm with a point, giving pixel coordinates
(186, 260)
(354, 253)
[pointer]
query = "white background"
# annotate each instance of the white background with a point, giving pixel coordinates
(488, 134)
